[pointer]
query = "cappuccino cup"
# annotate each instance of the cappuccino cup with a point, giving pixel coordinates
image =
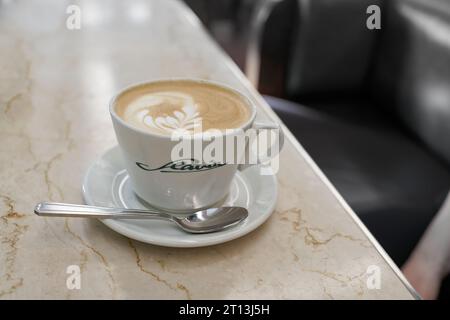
(151, 118)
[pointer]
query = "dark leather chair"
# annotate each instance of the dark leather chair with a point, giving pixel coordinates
(372, 107)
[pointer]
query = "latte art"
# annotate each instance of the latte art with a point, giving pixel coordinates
(185, 114)
(166, 106)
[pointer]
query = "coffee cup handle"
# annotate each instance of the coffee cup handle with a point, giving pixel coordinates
(262, 126)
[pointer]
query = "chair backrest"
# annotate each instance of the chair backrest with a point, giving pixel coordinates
(411, 71)
(405, 65)
(331, 48)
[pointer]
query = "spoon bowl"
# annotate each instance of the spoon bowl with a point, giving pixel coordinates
(212, 220)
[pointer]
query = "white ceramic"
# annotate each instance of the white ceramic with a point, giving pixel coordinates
(107, 184)
(145, 153)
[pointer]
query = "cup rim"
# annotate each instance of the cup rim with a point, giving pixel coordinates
(244, 126)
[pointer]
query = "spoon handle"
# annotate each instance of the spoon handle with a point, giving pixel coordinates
(52, 209)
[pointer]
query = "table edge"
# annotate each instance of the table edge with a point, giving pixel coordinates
(194, 20)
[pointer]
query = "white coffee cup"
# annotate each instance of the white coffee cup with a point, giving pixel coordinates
(179, 192)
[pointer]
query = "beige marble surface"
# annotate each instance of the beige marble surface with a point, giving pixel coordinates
(55, 85)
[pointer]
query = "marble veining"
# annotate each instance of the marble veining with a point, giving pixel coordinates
(55, 85)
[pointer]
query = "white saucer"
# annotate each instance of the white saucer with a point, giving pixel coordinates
(107, 184)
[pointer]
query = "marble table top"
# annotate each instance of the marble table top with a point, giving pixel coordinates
(55, 85)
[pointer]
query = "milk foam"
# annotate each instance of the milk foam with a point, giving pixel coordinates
(168, 106)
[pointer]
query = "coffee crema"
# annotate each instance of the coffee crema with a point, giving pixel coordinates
(165, 106)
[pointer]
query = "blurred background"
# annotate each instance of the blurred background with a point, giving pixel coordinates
(371, 106)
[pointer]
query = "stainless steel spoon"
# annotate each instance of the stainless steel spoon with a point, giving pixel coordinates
(203, 221)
